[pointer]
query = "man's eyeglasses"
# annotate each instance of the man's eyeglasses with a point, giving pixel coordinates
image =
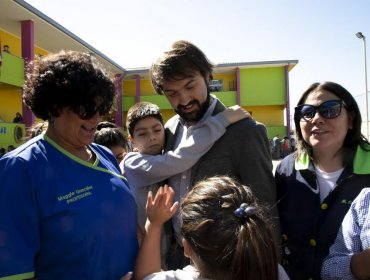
(329, 110)
(88, 111)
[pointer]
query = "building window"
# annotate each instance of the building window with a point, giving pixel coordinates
(215, 86)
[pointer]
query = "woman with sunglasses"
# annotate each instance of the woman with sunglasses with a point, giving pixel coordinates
(66, 212)
(317, 183)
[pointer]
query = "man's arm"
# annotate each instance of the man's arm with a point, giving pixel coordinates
(254, 161)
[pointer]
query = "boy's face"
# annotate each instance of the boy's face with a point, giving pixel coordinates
(148, 136)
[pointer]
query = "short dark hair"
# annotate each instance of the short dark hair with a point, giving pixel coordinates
(353, 138)
(110, 137)
(105, 124)
(140, 111)
(228, 246)
(11, 148)
(179, 62)
(67, 79)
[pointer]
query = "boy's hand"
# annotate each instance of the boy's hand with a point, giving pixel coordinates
(236, 113)
(162, 208)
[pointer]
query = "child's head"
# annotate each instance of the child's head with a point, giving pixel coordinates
(10, 148)
(145, 125)
(105, 124)
(227, 232)
(37, 128)
(109, 135)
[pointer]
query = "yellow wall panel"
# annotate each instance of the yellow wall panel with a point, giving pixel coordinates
(12, 98)
(268, 115)
(146, 88)
(129, 88)
(12, 41)
(15, 45)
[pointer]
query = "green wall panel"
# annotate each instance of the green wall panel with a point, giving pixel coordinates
(12, 70)
(227, 97)
(159, 100)
(127, 102)
(262, 86)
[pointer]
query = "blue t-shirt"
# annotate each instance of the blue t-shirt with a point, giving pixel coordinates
(64, 218)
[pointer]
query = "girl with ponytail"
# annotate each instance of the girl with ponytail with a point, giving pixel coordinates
(225, 233)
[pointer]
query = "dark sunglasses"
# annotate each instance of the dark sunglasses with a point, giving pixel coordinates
(329, 110)
(88, 111)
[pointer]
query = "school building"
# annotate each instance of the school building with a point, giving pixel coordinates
(261, 87)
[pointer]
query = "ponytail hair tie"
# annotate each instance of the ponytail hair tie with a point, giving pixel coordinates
(245, 211)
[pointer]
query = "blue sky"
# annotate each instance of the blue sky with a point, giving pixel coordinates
(318, 33)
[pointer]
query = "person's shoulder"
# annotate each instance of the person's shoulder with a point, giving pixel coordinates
(288, 160)
(187, 273)
(106, 154)
(27, 152)
(248, 124)
(100, 147)
(286, 166)
(103, 150)
(29, 146)
(282, 273)
(247, 128)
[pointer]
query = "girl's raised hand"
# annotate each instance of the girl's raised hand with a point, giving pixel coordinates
(162, 208)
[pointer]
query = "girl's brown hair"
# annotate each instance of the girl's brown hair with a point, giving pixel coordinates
(228, 246)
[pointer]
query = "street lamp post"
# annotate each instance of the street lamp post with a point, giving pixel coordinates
(361, 36)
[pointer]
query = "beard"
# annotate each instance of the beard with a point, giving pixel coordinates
(197, 114)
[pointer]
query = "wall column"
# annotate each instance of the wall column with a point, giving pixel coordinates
(238, 86)
(118, 88)
(287, 95)
(27, 38)
(137, 94)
